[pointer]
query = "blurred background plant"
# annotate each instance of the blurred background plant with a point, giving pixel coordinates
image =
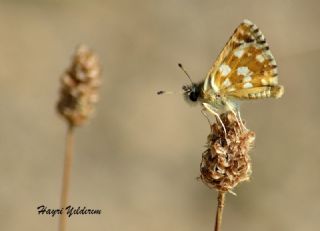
(139, 158)
(78, 96)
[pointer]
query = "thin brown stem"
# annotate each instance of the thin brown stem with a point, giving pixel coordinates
(66, 177)
(220, 206)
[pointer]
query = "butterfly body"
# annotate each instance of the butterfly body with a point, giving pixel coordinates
(245, 69)
(196, 93)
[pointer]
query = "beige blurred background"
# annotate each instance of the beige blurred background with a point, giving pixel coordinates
(139, 157)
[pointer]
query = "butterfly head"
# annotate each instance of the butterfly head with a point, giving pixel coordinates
(192, 92)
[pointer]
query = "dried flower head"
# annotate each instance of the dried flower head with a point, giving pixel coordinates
(80, 82)
(226, 162)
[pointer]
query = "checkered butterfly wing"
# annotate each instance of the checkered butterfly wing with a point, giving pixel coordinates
(245, 69)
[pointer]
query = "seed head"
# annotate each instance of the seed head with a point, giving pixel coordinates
(226, 162)
(79, 85)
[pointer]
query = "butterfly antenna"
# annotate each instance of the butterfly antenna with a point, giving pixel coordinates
(164, 92)
(180, 65)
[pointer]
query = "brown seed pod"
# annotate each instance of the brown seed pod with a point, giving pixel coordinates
(79, 85)
(226, 162)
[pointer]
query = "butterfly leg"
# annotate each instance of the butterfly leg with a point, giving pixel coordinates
(236, 115)
(239, 116)
(203, 111)
(210, 109)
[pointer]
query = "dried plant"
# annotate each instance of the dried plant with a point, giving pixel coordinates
(80, 82)
(226, 162)
(78, 94)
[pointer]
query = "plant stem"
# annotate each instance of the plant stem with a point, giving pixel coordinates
(220, 206)
(66, 177)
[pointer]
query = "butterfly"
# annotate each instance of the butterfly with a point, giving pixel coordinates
(244, 70)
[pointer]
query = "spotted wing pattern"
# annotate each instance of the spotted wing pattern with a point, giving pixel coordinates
(245, 69)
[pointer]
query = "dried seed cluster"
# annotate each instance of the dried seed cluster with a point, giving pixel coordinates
(226, 162)
(79, 86)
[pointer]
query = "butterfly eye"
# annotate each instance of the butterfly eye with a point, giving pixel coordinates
(193, 96)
